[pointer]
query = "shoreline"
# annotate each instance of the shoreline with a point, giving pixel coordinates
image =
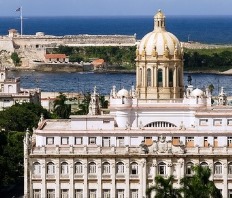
(227, 72)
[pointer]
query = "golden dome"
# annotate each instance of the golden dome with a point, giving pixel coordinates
(159, 42)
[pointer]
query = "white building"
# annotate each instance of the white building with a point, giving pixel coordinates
(157, 129)
(11, 93)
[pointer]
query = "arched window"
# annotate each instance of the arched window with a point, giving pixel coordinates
(148, 77)
(120, 167)
(230, 168)
(78, 168)
(217, 168)
(36, 168)
(92, 167)
(189, 168)
(160, 78)
(134, 168)
(106, 167)
(162, 168)
(64, 168)
(204, 164)
(160, 124)
(50, 168)
(2, 76)
(170, 76)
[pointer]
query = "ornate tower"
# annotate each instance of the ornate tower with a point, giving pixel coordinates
(159, 63)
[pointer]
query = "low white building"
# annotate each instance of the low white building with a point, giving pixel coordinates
(159, 128)
(11, 93)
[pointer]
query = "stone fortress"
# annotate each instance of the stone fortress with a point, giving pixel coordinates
(157, 128)
(33, 47)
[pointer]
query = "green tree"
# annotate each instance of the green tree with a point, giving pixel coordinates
(83, 107)
(211, 88)
(15, 58)
(19, 117)
(199, 185)
(103, 102)
(164, 188)
(61, 109)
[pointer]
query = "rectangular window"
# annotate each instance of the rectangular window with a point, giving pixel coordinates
(64, 140)
(229, 122)
(106, 141)
(134, 193)
(78, 140)
(120, 142)
(206, 144)
(64, 193)
(50, 140)
(230, 193)
(106, 121)
(203, 122)
(229, 141)
(120, 193)
(92, 193)
(190, 141)
(50, 193)
(36, 193)
(92, 140)
(78, 193)
(176, 141)
(106, 193)
(215, 142)
(133, 141)
(217, 122)
(148, 141)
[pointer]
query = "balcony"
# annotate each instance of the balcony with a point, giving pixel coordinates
(92, 176)
(64, 176)
(106, 176)
(120, 176)
(134, 176)
(36, 176)
(50, 176)
(78, 176)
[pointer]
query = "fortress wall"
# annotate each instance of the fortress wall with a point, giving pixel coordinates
(34, 42)
(6, 44)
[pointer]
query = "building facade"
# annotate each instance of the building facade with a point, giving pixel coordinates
(159, 128)
(11, 92)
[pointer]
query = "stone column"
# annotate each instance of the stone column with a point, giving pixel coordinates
(175, 77)
(225, 179)
(155, 75)
(164, 75)
(43, 175)
(99, 178)
(167, 76)
(71, 177)
(127, 177)
(144, 177)
(57, 177)
(113, 173)
(144, 76)
(85, 171)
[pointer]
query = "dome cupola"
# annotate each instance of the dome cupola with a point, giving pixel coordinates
(159, 63)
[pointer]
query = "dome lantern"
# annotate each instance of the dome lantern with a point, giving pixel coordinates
(159, 21)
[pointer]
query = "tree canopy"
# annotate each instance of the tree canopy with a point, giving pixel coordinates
(198, 185)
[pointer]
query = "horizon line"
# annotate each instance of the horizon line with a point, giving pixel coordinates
(171, 15)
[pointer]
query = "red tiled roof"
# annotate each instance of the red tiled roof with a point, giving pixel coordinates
(54, 56)
(98, 62)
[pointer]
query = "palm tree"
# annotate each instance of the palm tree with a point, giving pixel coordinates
(164, 188)
(83, 107)
(199, 185)
(61, 109)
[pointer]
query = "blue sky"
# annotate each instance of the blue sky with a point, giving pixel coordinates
(115, 7)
